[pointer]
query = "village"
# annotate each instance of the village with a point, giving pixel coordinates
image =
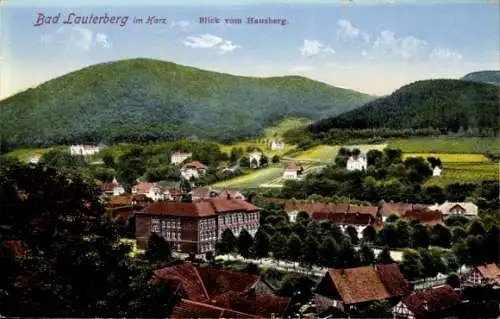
(204, 225)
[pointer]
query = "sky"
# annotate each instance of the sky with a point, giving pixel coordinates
(373, 46)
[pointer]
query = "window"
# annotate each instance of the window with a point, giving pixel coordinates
(178, 223)
(168, 235)
(178, 246)
(173, 236)
(155, 225)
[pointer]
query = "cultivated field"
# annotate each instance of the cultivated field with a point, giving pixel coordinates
(253, 179)
(447, 145)
(466, 173)
(25, 153)
(451, 158)
(327, 153)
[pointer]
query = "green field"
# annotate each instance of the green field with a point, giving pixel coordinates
(466, 173)
(253, 179)
(447, 145)
(327, 153)
(451, 158)
(285, 125)
(24, 154)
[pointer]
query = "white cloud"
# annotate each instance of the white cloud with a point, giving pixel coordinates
(406, 47)
(446, 54)
(349, 32)
(75, 37)
(102, 39)
(210, 41)
(314, 47)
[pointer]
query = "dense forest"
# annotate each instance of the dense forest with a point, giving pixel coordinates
(430, 107)
(144, 100)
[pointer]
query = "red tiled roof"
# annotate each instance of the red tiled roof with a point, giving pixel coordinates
(395, 208)
(490, 271)
(223, 205)
(16, 246)
(345, 218)
(192, 309)
(292, 167)
(363, 209)
(201, 192)
(425, 216)
(194, 164)
(422, 303)
(232, 194)
(359, 284)
(337, 208)
(305, 207)
(219, 281)
(174, 191)
(254, 304)
(181, 209)
(362, 284)
(109, 186)
(185, 274)
(393, 279)
(142, 188)
(120, 200)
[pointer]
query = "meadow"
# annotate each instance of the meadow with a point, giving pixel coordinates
(474, 145)
(327, 153)
(251, 180)
(451, 158)
(466, 172)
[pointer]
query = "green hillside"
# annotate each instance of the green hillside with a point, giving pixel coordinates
(143, 99)
(445, 105)
(491, 77)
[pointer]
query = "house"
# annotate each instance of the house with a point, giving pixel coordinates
(293, 171)
(436, 171)
(151, 190)
(392, 208)
(467, 209)
(179, 157)
(201, 193)
(438, 302)
(357, 163)
(84, 150)
(426, 216)
(277, 144)
(194, 226)
(215, 293)
(112, 189)
(126, 205)
(231, 195)
(353, 286)
(483, 274)
(193, 169)
(254, 159)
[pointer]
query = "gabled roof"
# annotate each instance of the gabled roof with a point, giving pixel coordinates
(201, 192)
(231, 194)
(345, 218)
(192, 309)
(363, 209)
(445, 208)
(398, 209)
(361, 284)
(181, 209)
(292, 167)
(490, 271)
(223, 205)
(426, 302)
(253, 303)
(425, 216)
(144, 187)
(194, 164)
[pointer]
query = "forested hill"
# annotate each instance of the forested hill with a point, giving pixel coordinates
(143, 99)
(490, 77)
(446, 105)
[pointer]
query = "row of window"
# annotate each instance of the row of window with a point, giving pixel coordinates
(237, 218)
(208, 235)
(172, 235)
(206, 223)
(207, 247)
(158, 225)
(252, 229)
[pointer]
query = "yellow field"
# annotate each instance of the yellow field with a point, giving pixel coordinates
(450, 158)
(464, 172)
(327, 153)
(251, 180)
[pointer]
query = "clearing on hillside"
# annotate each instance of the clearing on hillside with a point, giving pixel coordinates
(474, 145)
(466, 173)
(451, 158)
(251, 180)
(327, 153)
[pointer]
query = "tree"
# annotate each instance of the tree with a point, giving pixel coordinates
(476, 228)
(366, 254)
(453, 280)
(227, 243)
(492, 245)
(420, 236)
(261, 244)
(303, 218)
(403, 233)
(353, 234)
(245, 161)
(385, 256)
(355, 152)
(158, 249)
(244, 243)
(278, 246)
(328, 252)
(374, 157)
(461, 251)
(369, 234)
(392, 218)
(310, 251)
(348, 256)
(475, 247)
(456, 220)
(412, 266)
(441, 236)
(294, 247)
(263, 160)
(458, 233)
(378, 309)
(275, 159)
(389, 236)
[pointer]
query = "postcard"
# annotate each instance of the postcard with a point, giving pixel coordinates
(259, 158)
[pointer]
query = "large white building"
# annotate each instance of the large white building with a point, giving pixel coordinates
(357, 163)
(84, 150)
(277, 145)
(254, 159)
(292, 172)
(179, 157)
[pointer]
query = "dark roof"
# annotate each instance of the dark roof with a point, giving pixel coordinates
(192, 309)
(363, 209)
(345, 218)
(363, 284)
(199, 208)
(252, 303)
(425, 302)
(223, 205)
